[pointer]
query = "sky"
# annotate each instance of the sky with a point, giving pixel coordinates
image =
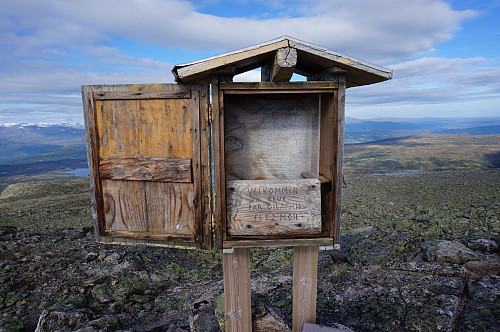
(445, 55)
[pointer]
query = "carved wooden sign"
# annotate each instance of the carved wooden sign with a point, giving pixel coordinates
(273, 207)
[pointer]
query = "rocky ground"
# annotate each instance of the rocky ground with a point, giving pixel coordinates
(419, 253)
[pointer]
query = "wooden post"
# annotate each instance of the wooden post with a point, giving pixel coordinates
(238, 306)
(339, 156)
(305, 278)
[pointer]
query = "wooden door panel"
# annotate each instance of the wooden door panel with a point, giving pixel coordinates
(149, 207)
(147, 128)
(144, 153)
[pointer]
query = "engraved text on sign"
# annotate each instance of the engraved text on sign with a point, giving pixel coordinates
(273, 207)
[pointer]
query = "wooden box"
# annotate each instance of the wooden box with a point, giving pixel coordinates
(279, 141)
(210, 163)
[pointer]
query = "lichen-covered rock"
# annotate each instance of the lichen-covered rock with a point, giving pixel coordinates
(404, 297)
(5, 230)
(265, 319)
(203, 317)
(483, 244)
(483, 306)
(102, 293)
(56, 320)
(452, 252)
(387, 275)
(483, 268)
(103, 323)
(11, 324)
(220, 311)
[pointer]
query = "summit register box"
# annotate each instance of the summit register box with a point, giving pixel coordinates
(211, 163)
(277, 162)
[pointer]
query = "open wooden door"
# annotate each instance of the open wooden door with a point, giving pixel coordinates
(148, 152)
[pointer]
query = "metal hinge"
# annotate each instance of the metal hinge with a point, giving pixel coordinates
(209, 113)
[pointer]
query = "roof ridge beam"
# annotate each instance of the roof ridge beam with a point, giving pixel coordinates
(281, 68)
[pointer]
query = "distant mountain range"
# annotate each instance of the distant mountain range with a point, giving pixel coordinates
(33, 149)
(362, 131)
(23, 140)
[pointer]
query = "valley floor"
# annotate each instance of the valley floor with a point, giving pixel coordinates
(419, 252)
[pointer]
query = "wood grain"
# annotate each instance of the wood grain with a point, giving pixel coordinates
(273, 207)
(305, 279)
(148, 236)
(202, 69)
(237, 298)
(311, 58)
(326, 184)
(271, 138)
(326, 157)
(218, 162)
(92, 143)
(252, 243)
(339, 157)
(279, 87)
(161, 128)
(159, 131)
(206, 194)
(136, 95)
(146, 169)
(280, 68)
(154, 207)
(329, 74)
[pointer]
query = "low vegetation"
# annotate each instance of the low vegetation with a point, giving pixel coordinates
(424, 153)
(419, 252)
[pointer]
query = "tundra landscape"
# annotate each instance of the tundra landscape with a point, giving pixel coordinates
(419, 245)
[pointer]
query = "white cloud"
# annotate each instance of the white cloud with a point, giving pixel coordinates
(379, 31)
(433, 80)
(49, 48)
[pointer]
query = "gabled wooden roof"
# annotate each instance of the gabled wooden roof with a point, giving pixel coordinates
(311, 60)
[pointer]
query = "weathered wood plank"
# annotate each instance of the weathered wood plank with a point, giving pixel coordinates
(162, 242)
(326, 153)
(244, 243)
(155, 207)
(271, 138)
(231, 70)
(160, 128)
(329, 74)
(326, 184)
(271, 92)
(191, 71)
(149, 236)
(92, 142)
(305, 278)
(338, 158)
(218, 161)
(149, 128)
(146, 169)
(206, 169)
(237, 298)
(137, 95)
(273, 207)
(278, 86)
(360, 72)
(281, 68)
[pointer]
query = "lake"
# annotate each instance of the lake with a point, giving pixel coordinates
(79, 172)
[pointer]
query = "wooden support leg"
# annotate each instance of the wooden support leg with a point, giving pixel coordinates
(305, 277)
(237, 298)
